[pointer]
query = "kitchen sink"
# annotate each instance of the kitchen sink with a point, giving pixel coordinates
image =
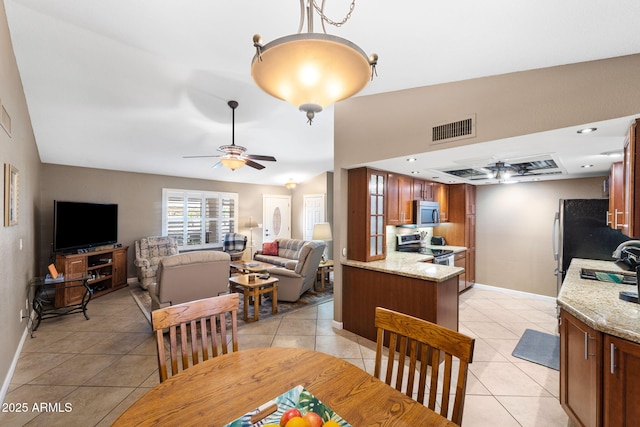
(607, 276)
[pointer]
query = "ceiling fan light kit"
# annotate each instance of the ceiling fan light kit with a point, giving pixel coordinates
(312, 70)
(235, 156)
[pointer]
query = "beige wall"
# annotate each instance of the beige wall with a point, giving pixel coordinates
(139, 199)
(17, 265)
(514, 231)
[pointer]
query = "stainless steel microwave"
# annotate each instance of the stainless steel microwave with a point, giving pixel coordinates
(426, 214)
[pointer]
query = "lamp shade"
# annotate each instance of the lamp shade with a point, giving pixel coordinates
(322, 231)
(311, 70)
(251, 223)
(232, 162)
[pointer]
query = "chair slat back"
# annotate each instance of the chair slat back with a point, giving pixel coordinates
(197, 323)
(417, 349)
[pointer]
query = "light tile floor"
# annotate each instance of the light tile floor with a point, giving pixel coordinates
(101, 366)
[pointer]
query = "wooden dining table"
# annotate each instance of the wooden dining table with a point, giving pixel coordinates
(222, 389)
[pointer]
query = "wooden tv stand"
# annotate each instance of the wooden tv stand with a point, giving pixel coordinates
(109, 266)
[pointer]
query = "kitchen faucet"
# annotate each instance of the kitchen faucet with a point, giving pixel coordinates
(618, 251)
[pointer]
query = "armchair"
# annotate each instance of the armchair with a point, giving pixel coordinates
(235, 244)
(190, 276)
(149, 251)
(293, 283)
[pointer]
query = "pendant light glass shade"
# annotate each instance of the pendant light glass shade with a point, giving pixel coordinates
(311, 70)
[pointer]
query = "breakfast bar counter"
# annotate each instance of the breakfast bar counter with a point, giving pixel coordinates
(597, 303)
(403, 282)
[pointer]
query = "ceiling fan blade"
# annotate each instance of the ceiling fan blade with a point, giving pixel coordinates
(217, 165)
(254, 164)
(260, 157)
(197, 157)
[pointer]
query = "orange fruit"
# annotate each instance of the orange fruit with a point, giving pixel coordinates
(331, 423)
(297, 422)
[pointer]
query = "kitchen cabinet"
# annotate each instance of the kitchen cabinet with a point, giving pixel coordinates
(460, 260)
(621, 382)
(366, 215)
(423, 190)
(441, 195)
(461, 227)
(615, 214)
(631, 182)
(399, 199)
(580, 371)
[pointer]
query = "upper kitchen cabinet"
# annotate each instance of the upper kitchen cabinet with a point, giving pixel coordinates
(366, 221)
(631, 184)
(399, 199)
(615, 214)
(423, 190)
(441, 195)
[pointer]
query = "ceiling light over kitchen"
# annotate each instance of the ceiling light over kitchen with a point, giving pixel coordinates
(586, 166)
(312, 70)
(415, 172)
(587, 130)
(411, 159)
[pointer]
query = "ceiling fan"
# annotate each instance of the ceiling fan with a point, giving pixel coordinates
(234, 156)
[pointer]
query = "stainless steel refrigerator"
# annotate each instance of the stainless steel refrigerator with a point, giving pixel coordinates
(580, 230)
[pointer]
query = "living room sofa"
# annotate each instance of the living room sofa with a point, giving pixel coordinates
(295, 266)
(190, 276)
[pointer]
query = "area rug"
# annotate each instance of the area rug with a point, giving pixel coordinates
(539, 347)
(308, 299)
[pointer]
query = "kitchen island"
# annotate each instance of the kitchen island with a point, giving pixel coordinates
(599, 348)
(405, 282)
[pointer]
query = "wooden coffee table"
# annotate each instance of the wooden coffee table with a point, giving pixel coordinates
(255, 289)
(250, 266)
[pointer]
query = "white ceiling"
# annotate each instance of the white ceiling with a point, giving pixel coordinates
(135, 85)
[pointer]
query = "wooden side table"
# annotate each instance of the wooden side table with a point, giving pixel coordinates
(255, 289)
(324, 269)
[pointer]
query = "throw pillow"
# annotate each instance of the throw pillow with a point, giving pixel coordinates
(270, 248)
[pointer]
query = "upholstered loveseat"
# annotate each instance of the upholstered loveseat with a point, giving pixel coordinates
(295, 266)
(190, 276)
(149, 251)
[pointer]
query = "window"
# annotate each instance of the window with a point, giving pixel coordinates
(198, 219)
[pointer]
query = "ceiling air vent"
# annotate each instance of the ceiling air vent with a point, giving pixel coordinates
(465, 128)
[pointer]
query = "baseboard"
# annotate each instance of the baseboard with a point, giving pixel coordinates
(132, 281)
(337, 325)
(14, 363)
(514, 292)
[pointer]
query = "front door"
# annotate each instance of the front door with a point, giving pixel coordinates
(276, 218)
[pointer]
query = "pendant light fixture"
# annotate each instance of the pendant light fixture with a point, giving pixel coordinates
(312, 70)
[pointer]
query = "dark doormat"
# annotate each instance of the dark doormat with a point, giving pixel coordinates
(539, 347)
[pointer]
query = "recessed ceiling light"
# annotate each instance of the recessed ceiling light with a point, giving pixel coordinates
(586, 166)
(587, 130)
(615, 153)
(415, 172)
(411, 159)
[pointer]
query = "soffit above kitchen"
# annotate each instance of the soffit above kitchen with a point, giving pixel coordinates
(135, 86)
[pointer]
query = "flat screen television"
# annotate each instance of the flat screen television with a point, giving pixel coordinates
(78, 225)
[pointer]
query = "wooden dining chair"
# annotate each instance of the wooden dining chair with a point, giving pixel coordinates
(198, 324)
(425, 345)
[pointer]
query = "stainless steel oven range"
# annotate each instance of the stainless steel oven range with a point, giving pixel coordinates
(411, 243)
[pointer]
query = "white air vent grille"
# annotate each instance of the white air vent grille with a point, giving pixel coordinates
(460, 129)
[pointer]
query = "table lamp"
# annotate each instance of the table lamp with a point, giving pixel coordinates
(251, 224)
(322, 231)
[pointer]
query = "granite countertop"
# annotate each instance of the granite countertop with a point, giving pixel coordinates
(597, 304)
(409, 264)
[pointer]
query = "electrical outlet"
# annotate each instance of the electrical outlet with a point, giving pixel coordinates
(20, 315)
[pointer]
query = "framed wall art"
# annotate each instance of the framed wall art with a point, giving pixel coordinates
(10, 195)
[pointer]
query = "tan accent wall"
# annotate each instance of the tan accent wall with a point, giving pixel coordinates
(18, 265)
(139, 199)
(514, 226)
